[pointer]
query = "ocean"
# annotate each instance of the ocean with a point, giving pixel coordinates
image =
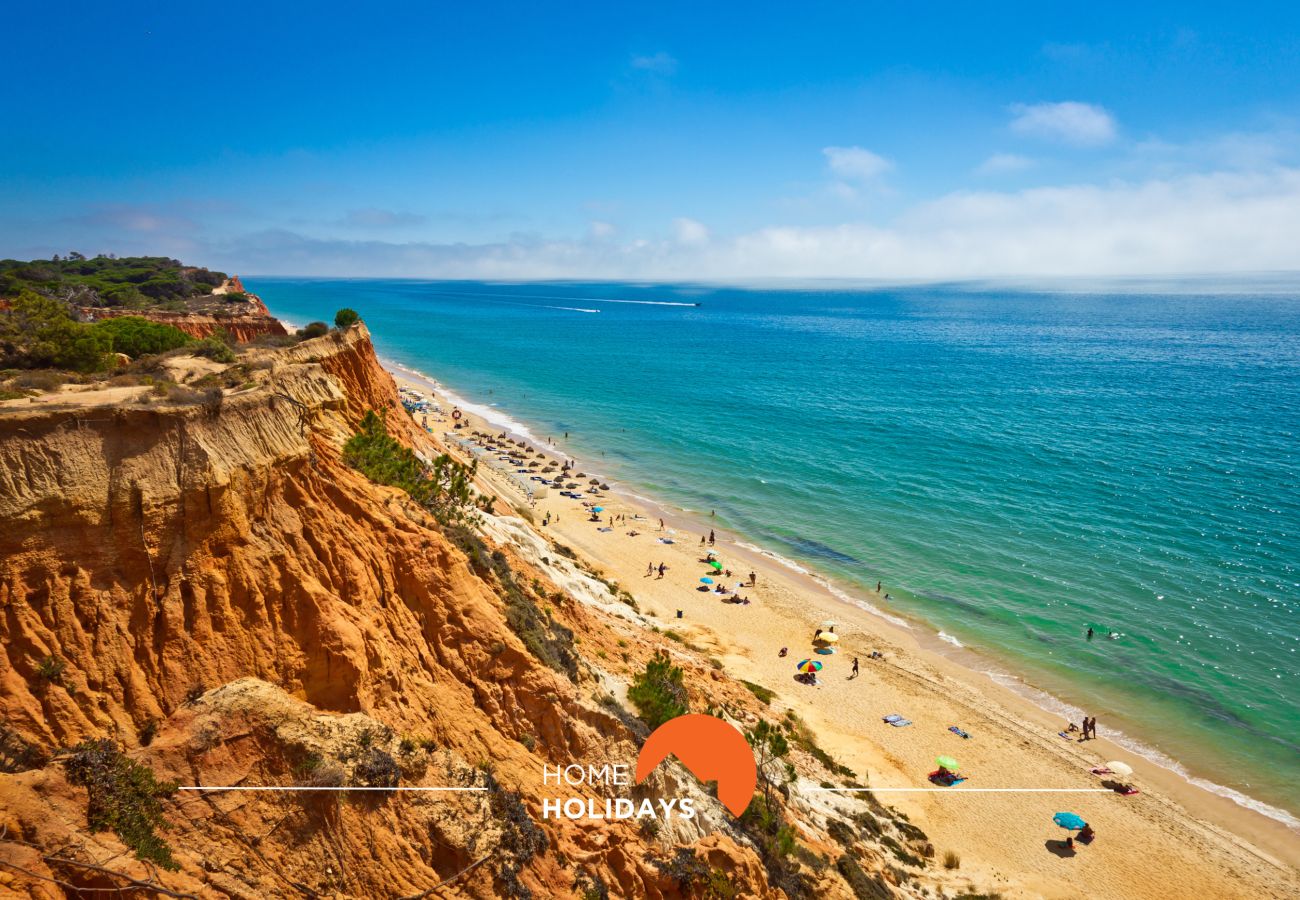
(1015, 466)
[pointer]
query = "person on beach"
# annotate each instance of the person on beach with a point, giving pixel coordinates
(662, 569)
(710, 537)
(877, 587)
(855, 668)
(649, 570)
(661, 524)
(702, 540)
(753, 580)
(784, 651)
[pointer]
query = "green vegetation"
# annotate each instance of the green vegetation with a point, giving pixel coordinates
(313, 330)
(769, 746)
(346, 318)
(803, 738)
(545, 638)
(124, 797)
(138, 337)
(951, 860)
(51, 669)
(136, 282)
(40, 333)
(442, 487)
(764, 695)
(658, 692)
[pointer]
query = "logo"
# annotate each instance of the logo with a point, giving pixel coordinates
(709, 747)
(712, 749)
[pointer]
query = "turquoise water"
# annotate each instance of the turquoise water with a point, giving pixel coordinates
(1014, 466)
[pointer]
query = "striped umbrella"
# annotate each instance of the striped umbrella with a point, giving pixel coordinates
(809, 665)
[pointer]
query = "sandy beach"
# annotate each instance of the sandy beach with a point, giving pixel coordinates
(1171, 839)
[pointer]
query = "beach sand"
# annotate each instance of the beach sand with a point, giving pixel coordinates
(1171, 840)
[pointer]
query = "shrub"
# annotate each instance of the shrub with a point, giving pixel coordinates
(864, 886)
(124, 797)
(763, 694)
(38, 333)
(376, 768)
(658, 692)
(951, 860)
(313, 330)
(138, 337)
(442, 487)
(346, 318)
(51, 669)
(215, 348)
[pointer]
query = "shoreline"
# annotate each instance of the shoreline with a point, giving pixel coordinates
(928, 665)
(980, 664)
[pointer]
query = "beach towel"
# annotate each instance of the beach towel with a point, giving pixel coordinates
(604, 529)
(897, 721)
(957, 731)
(1064, 735)
(934, 779)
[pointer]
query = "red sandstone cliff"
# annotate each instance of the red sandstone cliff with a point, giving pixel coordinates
(229, 601)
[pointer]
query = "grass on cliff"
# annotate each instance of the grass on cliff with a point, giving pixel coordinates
(124, 797)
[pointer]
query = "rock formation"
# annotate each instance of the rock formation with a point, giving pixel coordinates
(213, 589)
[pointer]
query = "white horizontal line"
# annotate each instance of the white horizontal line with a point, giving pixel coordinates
(960, 790)
(290, 787)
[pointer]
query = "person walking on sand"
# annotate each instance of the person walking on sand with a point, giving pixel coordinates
(661, 524)
(753, 580)
(855, 668)
(649, 569)
(662, 567)
(710, 537)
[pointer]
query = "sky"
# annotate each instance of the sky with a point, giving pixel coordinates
(709, 141)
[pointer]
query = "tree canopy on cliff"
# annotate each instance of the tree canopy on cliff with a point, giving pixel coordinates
(442, 487)
(131, 282)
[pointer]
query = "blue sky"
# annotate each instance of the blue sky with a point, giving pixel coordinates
(721, 140)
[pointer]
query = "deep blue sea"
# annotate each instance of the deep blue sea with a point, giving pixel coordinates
(1014, 466)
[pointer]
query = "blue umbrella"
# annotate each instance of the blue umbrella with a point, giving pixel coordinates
(706, 581)
(598, 509)
(1069, 821)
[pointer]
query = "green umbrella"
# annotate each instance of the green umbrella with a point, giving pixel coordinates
(947, 762)
(716, 565)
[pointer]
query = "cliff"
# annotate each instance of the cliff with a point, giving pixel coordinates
(211, 587)
(244, 319)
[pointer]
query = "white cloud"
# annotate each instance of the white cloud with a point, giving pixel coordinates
(689, 231)
(856, 163)
(601, 230)
(660, 63)
(1081, 124)
(1220, 222)
(1004, 163)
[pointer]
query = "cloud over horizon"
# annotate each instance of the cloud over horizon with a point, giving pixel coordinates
(1218, 222)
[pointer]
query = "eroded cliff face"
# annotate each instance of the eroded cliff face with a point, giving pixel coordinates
(218, 585)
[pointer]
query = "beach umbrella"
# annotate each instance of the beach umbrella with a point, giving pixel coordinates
(716, 565)
(1069, 821)
(598, 509)
(1119, 768)
(810, 665)
(706, 581)
(828, 637)
(947, 762)
(828, 624)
